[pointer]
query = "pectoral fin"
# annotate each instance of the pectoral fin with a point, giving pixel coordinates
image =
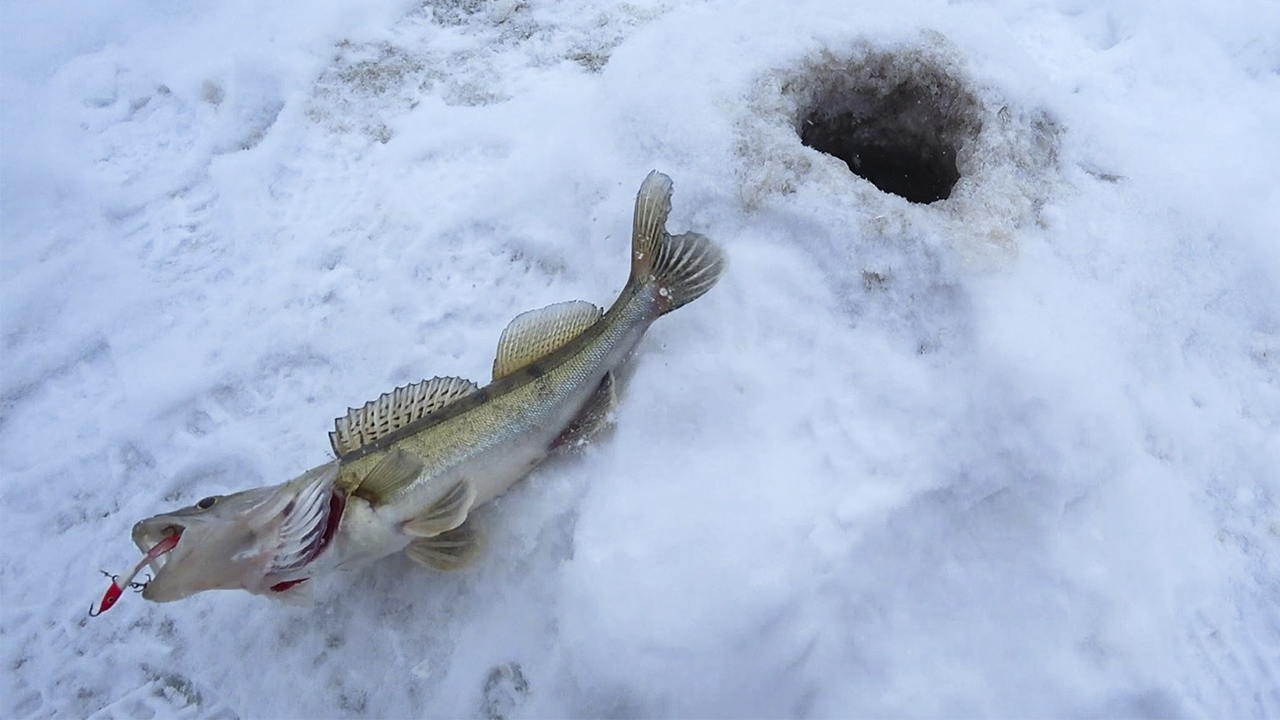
(392, 474)
(450, 550)
(445, 514)
(596, 415)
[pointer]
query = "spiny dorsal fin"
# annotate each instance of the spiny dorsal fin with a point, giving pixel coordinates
(379, 418)
(538, 333)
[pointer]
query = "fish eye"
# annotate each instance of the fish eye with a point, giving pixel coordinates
(207, 503)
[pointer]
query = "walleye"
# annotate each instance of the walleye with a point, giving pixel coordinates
(411, 466)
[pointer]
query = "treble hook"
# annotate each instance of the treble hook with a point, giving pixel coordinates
(117, 587)
(110, 597)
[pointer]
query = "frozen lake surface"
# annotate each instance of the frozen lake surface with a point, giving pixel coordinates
(1011, 453)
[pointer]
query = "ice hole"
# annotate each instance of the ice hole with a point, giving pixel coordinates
(896, 122)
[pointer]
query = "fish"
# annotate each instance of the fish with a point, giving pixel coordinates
(410, 468)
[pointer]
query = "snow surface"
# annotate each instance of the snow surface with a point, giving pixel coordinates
(1016, 453)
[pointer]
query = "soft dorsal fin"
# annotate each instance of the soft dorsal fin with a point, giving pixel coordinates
(538, 333)
(381, 417)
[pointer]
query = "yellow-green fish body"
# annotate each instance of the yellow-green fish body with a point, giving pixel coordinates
(413, 465)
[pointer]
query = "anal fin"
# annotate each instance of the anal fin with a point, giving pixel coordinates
(596, 415)
(446, 513)
(450, 550)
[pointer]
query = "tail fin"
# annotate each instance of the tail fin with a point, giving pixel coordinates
(683, 267)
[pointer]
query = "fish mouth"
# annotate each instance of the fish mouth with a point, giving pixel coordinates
(306, 528)
(147, 539)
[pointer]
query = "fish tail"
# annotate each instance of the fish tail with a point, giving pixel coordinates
(682, 267)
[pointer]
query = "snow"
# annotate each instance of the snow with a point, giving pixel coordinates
(1015, 453)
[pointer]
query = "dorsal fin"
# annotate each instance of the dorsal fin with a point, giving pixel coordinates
(538, 333)
(379, 418)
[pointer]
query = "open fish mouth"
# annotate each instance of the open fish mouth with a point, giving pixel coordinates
(270, 538)
(148, 540)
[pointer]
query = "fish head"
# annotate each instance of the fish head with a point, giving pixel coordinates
(249, 540)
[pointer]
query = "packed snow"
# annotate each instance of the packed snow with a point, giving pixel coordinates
(1011, 453)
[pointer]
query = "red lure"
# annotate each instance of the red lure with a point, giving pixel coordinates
(118, 584)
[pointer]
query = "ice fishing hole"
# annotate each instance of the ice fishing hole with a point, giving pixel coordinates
(897, 121)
